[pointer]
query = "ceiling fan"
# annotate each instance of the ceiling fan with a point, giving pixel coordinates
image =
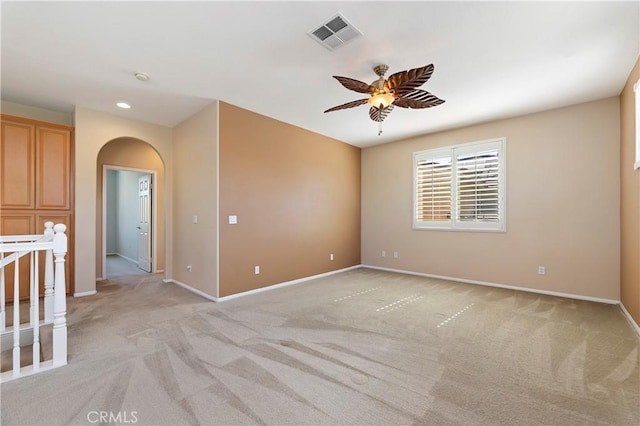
(400, 89)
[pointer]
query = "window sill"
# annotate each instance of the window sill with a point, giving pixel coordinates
(435, 228)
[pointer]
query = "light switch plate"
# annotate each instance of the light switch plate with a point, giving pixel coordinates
(233, 219)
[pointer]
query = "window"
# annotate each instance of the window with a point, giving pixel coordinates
(636, 88)
(460, 187)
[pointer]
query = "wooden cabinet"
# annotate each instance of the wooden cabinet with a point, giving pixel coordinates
(53, 169)
(17, 162)
(36, 184)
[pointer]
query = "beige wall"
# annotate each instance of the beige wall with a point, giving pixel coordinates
(297, 198)
(93, 130)
(34, 113)
(301, 190)
(629, 201)
(136, 154)
(195, 145)
(563, 201)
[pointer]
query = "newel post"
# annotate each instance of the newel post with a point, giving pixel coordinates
(48, 275)
(60, 294)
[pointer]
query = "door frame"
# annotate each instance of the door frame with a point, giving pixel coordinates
(154, 214)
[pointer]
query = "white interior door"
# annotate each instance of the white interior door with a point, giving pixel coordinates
(144, 226)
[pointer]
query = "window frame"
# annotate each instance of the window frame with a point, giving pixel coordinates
(453, 151)
(636, 89)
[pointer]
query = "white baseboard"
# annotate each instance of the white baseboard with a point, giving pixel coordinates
(633, 323)
(85, 293)
(257, 290)
(126, 258)
(286, 283)
(509, 287)
(191, 289)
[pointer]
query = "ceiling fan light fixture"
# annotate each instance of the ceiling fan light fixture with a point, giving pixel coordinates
(399, 90)
(381, 100)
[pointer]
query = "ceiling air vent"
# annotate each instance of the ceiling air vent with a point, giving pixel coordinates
(335, 32)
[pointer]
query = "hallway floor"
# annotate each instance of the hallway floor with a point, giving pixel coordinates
(118, 266)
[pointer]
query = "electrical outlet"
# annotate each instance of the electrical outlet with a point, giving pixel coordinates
(256, 270)
(189, 268)
(395, 255)
(384, 253)
(331, 256)
(541, 270)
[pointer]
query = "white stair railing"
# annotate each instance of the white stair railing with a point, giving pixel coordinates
(13, 247)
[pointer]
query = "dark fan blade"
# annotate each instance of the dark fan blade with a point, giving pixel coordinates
(378, 114)
(404, 81)
(348, 105)
(417, 99)
(355, 85)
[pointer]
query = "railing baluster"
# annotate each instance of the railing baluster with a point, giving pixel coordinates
(3, 313)
(36, 315)
(16, 317)
(32, 281)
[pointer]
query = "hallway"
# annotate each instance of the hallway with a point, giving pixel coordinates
(119, 266)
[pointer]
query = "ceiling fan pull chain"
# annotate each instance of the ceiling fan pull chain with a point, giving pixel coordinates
(379, 127)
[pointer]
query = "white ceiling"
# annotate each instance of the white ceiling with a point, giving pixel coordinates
(492, 59)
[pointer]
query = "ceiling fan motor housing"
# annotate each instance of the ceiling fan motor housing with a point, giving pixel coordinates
(378, 85)
(381, 70)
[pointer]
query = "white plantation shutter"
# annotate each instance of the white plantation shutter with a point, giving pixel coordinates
(478, 186)
(433, 187)
(460, 187)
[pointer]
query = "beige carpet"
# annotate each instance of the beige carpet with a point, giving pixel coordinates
(361, 347)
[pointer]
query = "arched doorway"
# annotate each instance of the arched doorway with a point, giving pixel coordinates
(130, 157)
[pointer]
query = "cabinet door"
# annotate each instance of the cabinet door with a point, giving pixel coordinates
(15, 223)
(41, 218)
(17, 153)
(53, 168)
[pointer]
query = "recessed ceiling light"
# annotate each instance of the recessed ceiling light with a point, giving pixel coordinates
(123, 105)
